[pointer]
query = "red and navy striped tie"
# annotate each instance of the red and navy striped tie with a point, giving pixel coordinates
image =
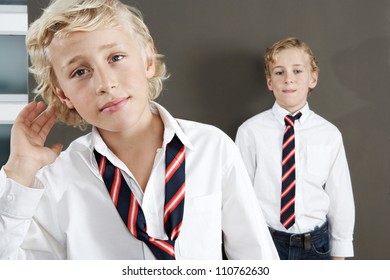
(287, 206)
(131, 212)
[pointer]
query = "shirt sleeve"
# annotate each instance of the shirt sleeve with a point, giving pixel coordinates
(17, 206)
(245, 232)
(341, 215)
(246, 146)
(21, 236)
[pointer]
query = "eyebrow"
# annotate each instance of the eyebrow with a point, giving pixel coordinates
(280, 66)
(107, 46)
(77, 57)
(74, 59)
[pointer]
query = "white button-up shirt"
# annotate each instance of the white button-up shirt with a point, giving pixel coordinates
(323, 185)
(68, 214)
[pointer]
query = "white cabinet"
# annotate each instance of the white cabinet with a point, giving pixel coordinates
(13, 61)
(13, 69)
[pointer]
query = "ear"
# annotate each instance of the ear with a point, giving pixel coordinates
(65, 100)
(269, 84)
(314, 80)
(150, 62)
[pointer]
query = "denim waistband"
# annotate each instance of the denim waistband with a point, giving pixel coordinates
(300, 238)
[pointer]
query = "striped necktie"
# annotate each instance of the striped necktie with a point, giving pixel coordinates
(131, 212)
(287, 206)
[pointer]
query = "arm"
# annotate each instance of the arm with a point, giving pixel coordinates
(246, 234)
(341, 213)
(247, 149)
(19, 192)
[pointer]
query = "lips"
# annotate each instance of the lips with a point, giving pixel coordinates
(287, 91)
(114, 105)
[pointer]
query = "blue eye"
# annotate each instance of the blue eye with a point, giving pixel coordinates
(298, 71)
(116, 58)
(79, 73)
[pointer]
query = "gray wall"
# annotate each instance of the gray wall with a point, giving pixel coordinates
(214, 49)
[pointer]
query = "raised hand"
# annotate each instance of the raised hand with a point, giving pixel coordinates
(28, 136)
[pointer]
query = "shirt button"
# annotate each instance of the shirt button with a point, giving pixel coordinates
(10, 197)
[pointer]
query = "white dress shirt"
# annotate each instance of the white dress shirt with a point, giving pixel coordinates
(323, 185)
(69, 213)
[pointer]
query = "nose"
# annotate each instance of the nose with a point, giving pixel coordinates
(105, 81)
(289, 78)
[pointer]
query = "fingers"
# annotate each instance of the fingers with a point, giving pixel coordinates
(37, 121)
(47, 126)
(26, 111)
(44, 122)
(31, 112)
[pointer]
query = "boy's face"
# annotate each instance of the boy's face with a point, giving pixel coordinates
(291, 78)
(103, 75)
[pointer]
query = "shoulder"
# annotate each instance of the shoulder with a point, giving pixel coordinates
(212, 149)
(208, 141)
(197, 131)
(319, 130)
(263, 119)
(260, 124)
(323, 125)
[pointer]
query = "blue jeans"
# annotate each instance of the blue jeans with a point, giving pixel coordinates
(312, 245)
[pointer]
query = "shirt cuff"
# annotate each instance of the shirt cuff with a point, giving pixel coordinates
(341, 249)
(17, 200)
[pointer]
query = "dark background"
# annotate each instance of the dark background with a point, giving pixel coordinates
(214, 48)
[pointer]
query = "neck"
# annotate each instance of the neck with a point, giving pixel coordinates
(293, 110)
(144, 136)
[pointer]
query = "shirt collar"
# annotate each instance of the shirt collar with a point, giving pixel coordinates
(171, 127)
(280, 113)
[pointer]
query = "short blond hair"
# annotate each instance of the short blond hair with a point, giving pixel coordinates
(63, 17)
(291, 42)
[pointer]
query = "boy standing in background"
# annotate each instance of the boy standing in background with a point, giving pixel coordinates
(297, 163)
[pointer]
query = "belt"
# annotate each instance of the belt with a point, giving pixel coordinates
(302, 240)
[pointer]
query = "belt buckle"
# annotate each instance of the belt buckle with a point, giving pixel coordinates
(307, 241)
